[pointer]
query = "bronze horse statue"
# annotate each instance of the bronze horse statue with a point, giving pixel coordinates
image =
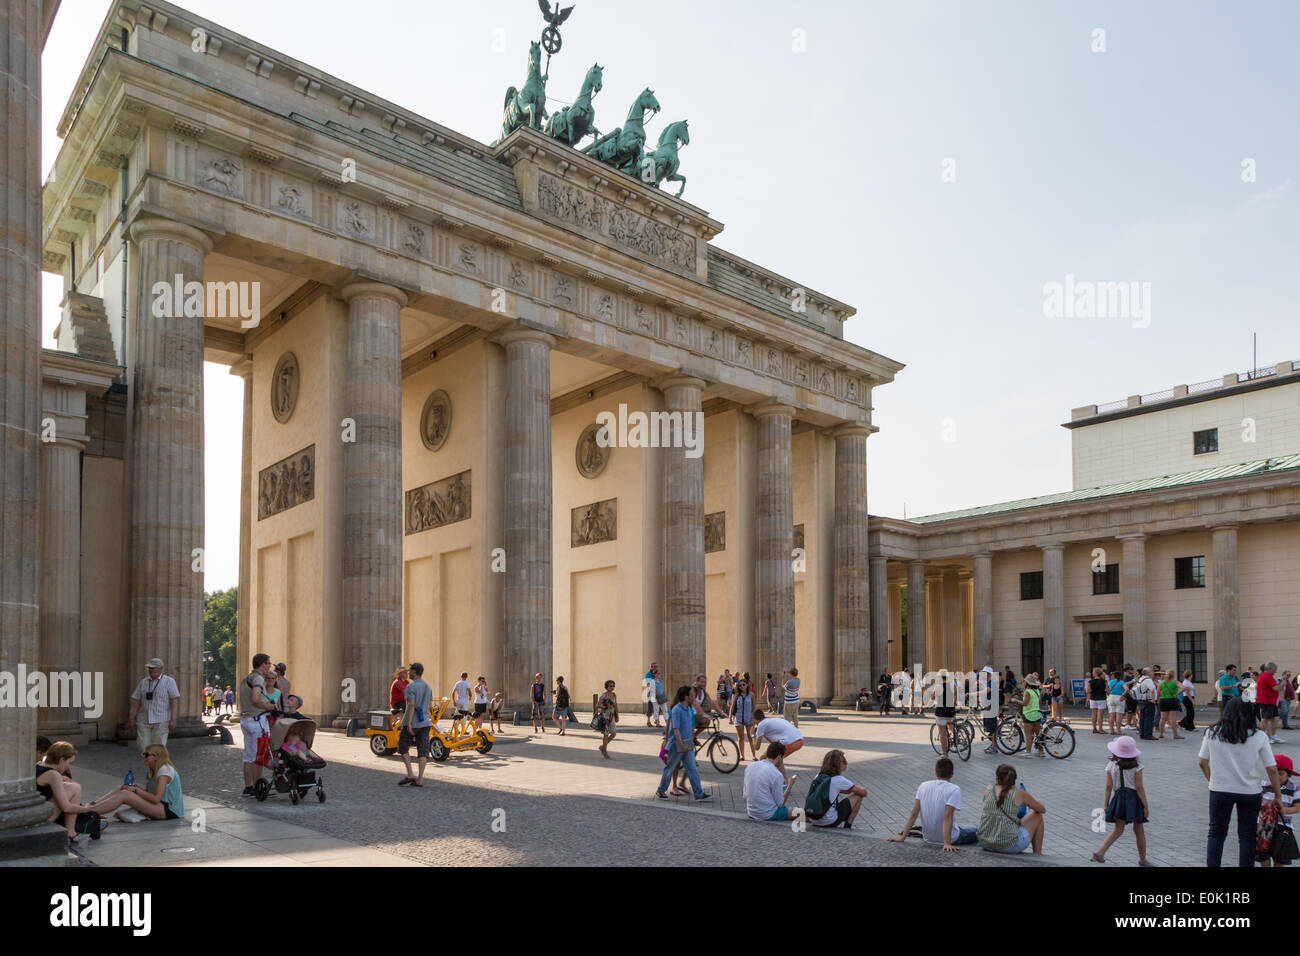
(529, 102)
(621, 148)
(572, 124)
(662, 164)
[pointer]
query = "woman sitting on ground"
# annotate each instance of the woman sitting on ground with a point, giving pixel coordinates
(1002, 829)
(159, 799)
(59, 789)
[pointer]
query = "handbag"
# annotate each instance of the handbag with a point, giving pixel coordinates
(1285, 848)
(88, 822)
(597, 722)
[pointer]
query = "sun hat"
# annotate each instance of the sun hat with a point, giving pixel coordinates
(1033, 681)
(988, 670)
(1123, 747)
(154, 662)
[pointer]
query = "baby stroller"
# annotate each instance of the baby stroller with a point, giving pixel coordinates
(292, 771)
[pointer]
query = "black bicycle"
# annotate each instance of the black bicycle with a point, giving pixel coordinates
(960, 735)
(724, 753)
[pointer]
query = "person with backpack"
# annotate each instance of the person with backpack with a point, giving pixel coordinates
(833, 799)
(561, 709)
(539, 704)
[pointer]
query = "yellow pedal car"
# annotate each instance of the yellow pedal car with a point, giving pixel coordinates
(383, 733)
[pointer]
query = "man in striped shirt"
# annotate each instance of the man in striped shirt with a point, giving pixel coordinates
(791, 687)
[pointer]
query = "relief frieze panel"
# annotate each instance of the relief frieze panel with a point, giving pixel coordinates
(286, 484)
(438, 503)
(594, 523)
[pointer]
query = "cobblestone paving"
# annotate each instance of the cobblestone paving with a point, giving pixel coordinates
(563, 803)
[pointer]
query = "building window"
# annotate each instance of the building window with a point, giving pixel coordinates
(1031, 656)
(1191, 654)
(1106, 582)
(1206, 441)
(1189, 572)
(1031, 586)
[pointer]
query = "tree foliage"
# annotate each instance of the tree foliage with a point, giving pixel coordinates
(220, 621)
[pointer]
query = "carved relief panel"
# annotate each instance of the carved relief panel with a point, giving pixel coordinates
(715, 532)
(287, 483)
(438, 503)
(594, 523)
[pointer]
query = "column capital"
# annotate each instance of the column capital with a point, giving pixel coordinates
(981, 554)
(853, 429)
(1222, 526)
(521, 333)
(243, 367)
(355, 290)
(680, 380)
(771, 408)
(1052, 546)
(917, 562)
(1132, 536)
(154, 228)
(883, 559)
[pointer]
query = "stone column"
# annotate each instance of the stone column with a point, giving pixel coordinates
(967, 616)
(881, 633)
(855, 656)
(1227, 623)
(372, 495)
(897, 652)
(64, 415)
(243, 652)
(23, 833)
(951, 619)
(683, 543)
(528, 597)
(167, 464)
(915, 618)
(1133, 595)
(774, 540)
(982, 602)
(1054, 610)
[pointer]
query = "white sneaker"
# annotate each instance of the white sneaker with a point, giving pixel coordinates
(1276, 740)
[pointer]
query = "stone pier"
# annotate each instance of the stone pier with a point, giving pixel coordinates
(1133, 592)
(683, 544)
(855, 661)
(1054, 611)
(372, 496)
(882, 631)
(1227, 621)
(528, 600)
(774, 541)
(982, 608)
(915, 619)
(166, 465)
(243, 652)
(24, 24)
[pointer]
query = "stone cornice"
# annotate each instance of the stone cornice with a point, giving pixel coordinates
(1237, 501)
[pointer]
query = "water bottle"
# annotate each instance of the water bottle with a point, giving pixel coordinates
(1023, 809)
(129, 779)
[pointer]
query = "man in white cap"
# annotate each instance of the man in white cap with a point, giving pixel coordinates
(987, 695)
(159, 694)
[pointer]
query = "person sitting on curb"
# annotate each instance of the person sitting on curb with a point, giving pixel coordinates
(1002, 829)
(840, 796)
(778, 730)
(767, 788)
(937, 802)
(55, 784)
(159, 799)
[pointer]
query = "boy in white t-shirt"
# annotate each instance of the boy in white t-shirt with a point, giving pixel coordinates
(843, 796)
(937, 802)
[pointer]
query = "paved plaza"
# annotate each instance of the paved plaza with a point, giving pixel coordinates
(561, 803)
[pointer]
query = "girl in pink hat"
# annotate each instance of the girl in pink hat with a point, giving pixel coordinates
(1126, 799)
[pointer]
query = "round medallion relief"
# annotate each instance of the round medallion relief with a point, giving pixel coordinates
(589, 456)
(284, 387)
(435, 420)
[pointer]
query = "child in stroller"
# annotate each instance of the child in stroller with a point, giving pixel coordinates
(293, 763)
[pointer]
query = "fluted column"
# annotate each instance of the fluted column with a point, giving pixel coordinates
(23, 27)
(683, 543)
(1054, 610)
(852, 636)
(65, 413)
(167, 463)
(1227, 622)
(774, 645)
(372, 495)
(528, 598)
(915, 657)
(881, 632)
(1133, 595)
(243, 652)
(982, 613)
(966, 614)
(951, 619)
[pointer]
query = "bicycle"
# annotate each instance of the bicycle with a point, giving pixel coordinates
(1054, 736)
(960, 736)
(723, 752)
(1003, 740)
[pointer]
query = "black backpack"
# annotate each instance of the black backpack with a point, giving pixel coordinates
(562, 697)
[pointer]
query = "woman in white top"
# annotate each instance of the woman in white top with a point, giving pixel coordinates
(1234, 758)
(1189, 702)
(480, 702)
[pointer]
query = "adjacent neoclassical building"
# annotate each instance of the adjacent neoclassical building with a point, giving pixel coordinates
(1179, 545)
(438, 325)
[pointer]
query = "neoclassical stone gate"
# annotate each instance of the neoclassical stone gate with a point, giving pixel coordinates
(525, 287)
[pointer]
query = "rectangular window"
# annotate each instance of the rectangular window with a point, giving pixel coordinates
(1189, 572)
(1191, 655)
(1031, 656)
(1031, 586)
(1205, 441)
(1106, 582)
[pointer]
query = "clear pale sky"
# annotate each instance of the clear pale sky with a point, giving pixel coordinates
(825, 166)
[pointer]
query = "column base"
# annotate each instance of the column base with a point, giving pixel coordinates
(45, 844)
(72, 733)
(842, 702)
